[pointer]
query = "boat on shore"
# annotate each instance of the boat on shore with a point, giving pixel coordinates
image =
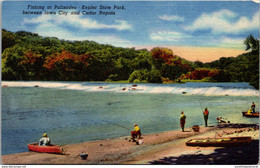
(57, 149)
(220, 142)
(253, 115)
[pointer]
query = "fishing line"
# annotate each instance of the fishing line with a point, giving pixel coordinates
(116, 124)
(201, 106)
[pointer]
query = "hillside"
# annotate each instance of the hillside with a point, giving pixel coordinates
(28, 56)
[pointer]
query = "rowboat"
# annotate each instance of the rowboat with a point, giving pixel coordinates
(220, 142)
(45, 149)
(255, 115)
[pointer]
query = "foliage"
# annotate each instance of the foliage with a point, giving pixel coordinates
(154, 76)
(170, 65)
(140, 75)
(28, 56)
(8, 39)
(255, 81)
(67, 66)
(252, 43)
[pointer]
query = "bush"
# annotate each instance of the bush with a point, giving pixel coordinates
(137, 81)
(154, 76)
(208, 79)
(141, 75)
(113, 77)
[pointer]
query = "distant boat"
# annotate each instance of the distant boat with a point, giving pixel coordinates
(228, 141)
(45, 149)
(253, 115)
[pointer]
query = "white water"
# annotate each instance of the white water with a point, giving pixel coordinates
(207, 89)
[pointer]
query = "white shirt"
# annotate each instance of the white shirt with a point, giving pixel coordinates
(45, 141)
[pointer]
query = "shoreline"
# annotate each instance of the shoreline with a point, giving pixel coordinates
(158, 148)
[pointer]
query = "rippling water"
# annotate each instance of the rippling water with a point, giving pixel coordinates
(72, 112)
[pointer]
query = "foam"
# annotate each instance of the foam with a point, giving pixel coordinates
(142, 88)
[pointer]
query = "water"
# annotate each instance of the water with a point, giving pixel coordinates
(73, 112)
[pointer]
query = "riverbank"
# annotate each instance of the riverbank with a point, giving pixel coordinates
(158, 148)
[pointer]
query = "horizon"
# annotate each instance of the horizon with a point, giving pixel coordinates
(196, 31)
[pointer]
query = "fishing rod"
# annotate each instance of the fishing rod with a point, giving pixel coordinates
(116, 124)
(201, 106)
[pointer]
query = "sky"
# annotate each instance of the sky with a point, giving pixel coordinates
(194, 30)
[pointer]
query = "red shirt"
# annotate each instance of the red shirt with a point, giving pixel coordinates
(206, 112)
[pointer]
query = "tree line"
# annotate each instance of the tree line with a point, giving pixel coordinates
(28, 56)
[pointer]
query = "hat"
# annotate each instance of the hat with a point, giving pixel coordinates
(44, 135)
(135, 124)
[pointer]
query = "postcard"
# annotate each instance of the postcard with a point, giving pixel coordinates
(130, 83)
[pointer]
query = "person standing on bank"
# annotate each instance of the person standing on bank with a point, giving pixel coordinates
(206, 116)
(136, 133)
(182, 121)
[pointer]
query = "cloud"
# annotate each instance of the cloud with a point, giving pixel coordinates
(77, 21)
(61, 33)
(226, 42)
(50, 26)
(167, 36)
(173, 18)
(224, 21)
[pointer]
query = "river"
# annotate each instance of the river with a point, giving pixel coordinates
(73, 112)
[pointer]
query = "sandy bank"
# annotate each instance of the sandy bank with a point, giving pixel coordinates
(159, 148)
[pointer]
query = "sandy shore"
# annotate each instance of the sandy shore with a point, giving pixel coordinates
(159, 148)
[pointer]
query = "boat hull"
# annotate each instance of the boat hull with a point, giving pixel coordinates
(219, 142)
(252, 115)
(45, 149)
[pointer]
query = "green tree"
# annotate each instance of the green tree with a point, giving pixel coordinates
(8, 39)
(252, 43)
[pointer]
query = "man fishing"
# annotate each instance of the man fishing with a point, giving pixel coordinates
(136, 133)
(45, 140)
(206, 116)
(253, 107)
(182, 121)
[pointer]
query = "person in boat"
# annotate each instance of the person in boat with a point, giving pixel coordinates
(45, 140)
(182, 121)
(206, 116)
(136, 133)
(253, 107)
(250, 111)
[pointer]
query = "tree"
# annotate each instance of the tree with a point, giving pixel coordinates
(154, 76)
(252, 43)
(8, 39)
(160, 56)
(140, 75)
(67, 66)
